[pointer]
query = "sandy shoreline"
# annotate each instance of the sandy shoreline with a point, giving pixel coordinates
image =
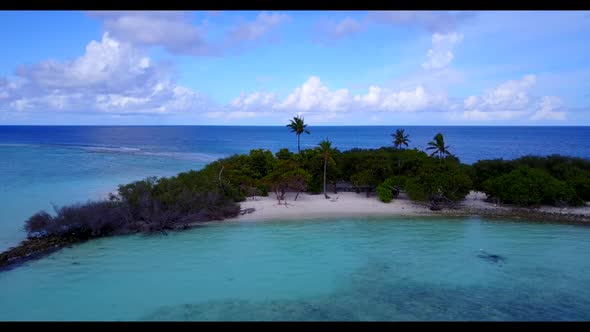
(345, 204)
(316, 206)
(348, 204)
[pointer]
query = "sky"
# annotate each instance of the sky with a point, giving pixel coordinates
(264, 67)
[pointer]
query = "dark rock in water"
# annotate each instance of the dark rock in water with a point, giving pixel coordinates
(248, 210)
(75, 263)
(491, 257)
(33, 248)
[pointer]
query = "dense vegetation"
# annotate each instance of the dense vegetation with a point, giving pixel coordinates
(156, 205)
(150, 205)
(213, 193)
(531, 180)
(438, 179)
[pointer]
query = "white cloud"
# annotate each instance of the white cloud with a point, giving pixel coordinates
(4, 89)
(313, 95)
(262, 25)
(343, 28)
(418, 99)
(110, 76)
(511, 100)
(471, 102)
(441, 53)
(172, 30)
(20, 104)
(436, 22)
(106, 65)
(177, 32)
(433, 21)
(512, 95)
(256, 100)
(439, 80)
(547, 109)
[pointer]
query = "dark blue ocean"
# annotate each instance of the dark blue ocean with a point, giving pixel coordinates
(208, 142)
(351, 268)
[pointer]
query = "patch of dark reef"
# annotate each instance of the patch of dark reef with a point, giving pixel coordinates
(492, 258)
(34, 248)
(380, 291)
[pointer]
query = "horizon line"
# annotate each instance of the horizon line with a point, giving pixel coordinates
(239, 125)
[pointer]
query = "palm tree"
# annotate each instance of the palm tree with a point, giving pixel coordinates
(298, 127)
(400, 139)
(439, 147)
(325, 148)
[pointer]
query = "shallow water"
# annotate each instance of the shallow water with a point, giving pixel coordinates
(35, 177)
(345, 269)
(45, 165)
(337, 269)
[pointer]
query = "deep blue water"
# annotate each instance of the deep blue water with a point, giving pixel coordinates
(194, 142)
(359, 269)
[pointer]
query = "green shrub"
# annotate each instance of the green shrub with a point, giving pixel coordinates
(487, 169)
(397, 182)
(574, 171)
(436, 182)
(581, 185)
(531, 186)
(390, 188)
(384, 193)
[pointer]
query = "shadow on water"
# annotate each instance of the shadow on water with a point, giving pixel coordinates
(492, 258)
(376, 292)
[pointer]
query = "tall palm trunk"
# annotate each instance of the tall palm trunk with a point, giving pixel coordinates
(325, 167)
(298, 148)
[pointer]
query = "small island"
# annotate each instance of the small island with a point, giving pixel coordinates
(322, 182)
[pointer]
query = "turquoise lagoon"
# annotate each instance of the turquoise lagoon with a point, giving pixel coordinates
(333, 269)
(338, 269)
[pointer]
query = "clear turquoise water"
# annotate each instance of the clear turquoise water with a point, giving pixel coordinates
(41, 165)
(341, 269)
(362, 269)
(33, 177)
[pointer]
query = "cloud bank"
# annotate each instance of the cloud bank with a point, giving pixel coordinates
(177, 32)
(111, 77)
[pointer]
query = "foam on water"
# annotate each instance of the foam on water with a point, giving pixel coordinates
(207, 157)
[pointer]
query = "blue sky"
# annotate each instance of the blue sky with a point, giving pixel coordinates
(264, 67)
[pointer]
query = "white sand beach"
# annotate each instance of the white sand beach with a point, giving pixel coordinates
(344, 204)
(349, 204)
